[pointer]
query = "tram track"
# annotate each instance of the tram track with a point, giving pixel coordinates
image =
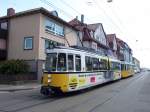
(31, 101)
(28, 106)
(94, 96)
(110, 98)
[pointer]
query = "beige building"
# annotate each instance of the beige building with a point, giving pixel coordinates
(31, 32)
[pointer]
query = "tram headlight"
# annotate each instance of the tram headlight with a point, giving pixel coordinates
(49, 80)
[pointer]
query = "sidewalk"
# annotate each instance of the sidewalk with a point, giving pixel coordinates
(11, 88)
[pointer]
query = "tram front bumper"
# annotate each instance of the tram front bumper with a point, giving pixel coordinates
(48, 90)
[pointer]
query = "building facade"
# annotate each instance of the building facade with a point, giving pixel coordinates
(27, 35)
(136, 63)
(124, 52)
(112, 42)
(92, 36)
(30, 33)
(3, 39)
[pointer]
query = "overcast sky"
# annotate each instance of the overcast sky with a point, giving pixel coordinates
(128, 19)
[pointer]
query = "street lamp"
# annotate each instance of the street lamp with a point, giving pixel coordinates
(109, 1)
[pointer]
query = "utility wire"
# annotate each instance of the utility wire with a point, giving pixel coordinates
(56, 8)
(108, 17)
(121, 23)
(68, 5)
(50, 4)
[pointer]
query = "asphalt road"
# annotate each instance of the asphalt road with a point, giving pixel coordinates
(127, 95)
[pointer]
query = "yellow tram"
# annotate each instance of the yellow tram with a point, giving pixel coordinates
(127, 69)
(70, 69)
(115, 68)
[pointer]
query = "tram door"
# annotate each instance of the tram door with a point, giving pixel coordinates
(108, 75)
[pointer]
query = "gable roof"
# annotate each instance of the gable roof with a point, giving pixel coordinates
(86, 29)
(120, 42)
(110, 37)
(36, 11)
(77, 24)
(93, 26)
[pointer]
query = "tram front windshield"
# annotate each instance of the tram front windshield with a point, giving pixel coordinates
(51, 60)
(55, 62)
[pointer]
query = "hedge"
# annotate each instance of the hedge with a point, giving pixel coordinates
(13, 67)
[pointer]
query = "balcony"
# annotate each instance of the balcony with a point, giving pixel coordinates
(3, 54)
(3, 34)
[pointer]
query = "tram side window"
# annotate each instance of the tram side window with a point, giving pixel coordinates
(130, 67)
(96, 64)
(61, 62)
(127, 67)
(70, 62)
(115, 66)
(88, 62)
(78, 62)
(50, 64)
(122, 67)
(103, 64)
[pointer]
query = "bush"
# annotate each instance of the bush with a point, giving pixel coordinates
(13, 67)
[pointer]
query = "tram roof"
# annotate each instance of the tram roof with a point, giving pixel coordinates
(114, 60)
(124, 62)
(75, 48)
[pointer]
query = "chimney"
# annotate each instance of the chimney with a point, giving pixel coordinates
(77, 17)
(10, 12)
(82, 18)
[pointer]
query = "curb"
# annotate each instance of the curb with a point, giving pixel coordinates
(18, 89)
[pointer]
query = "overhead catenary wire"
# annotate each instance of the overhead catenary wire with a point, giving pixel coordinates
(121, 23)
(108, 17)
(58, 9)
(78, 12)
(71, 17)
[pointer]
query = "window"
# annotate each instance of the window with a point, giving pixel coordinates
(78, 62)
(50, 26)
(122, 67)
(4, 26)
(50, 44)
(61, 62)
(96, 64)
(28, 43)
(92, 34)
(59, 30)
(70, 62)
(88, 63)
(54, 28)
(103, 64)
(51, 61)
(115, 66)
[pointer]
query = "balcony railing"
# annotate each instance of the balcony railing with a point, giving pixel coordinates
(3, 33)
